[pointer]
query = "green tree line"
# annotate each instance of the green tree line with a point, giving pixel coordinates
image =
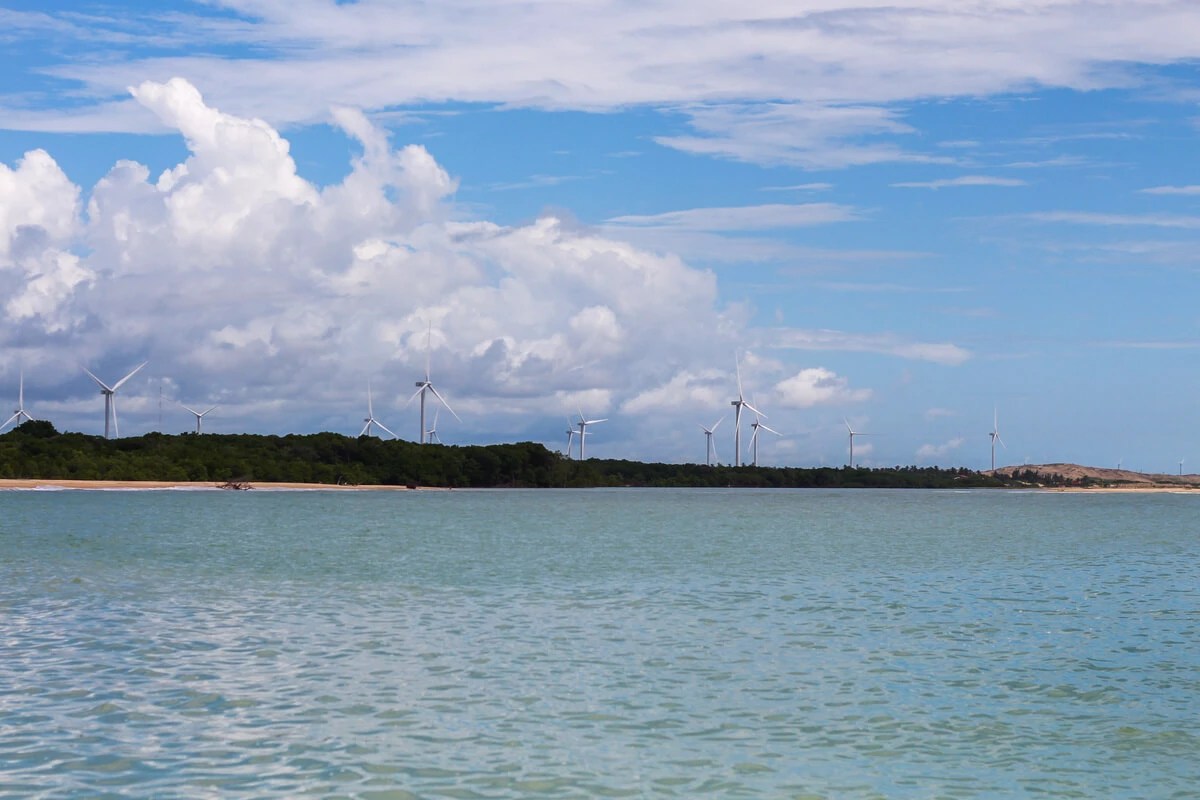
(37, 450)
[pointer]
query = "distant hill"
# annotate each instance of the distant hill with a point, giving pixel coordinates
(1063, 474)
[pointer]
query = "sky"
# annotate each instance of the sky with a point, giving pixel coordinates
(918, 218)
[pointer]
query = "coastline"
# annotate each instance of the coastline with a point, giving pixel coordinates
(57, 483)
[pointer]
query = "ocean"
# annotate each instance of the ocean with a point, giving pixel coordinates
(599, 643)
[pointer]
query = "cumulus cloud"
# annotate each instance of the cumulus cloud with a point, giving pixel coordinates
(246, 285)
(817, 386)
(930, 452)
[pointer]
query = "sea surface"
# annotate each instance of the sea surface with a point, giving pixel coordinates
(580, 644)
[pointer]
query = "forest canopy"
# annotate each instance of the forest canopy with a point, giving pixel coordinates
(36, 450)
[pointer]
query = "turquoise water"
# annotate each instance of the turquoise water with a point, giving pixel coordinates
(570, 644)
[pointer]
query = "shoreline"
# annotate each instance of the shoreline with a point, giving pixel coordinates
(34, 484)
(58, 484)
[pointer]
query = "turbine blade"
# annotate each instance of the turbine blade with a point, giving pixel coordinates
(133, 372)
(737, 363)
(447, 405)
(370, 412)
(755, 410)
(594, 421)
(99, 382)
(1001, 441)
(428, 348)
(414, 396)
(366, 427)
(718, 422)
(116, 427)
(189, 408)
(208, 409)
(385, 428)
(772, 430)
(10, 419)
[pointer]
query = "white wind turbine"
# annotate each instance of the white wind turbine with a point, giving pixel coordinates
(370, 418)
(570, 436)
(20, 410)
(583, 423)
(737, 414)
(199, 415)
(756, 426)
(1181, 467)
(427, 385)
(995, 436)
(710, 449)
(110, 406)
(431, 435)
(853, 433)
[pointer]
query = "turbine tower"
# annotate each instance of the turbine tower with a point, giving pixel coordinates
(198, 414)
(853, 433)
(370, 418)
(995, 436)
(737, 414)
(427, 385)
(20, 410)
(583, 423)
(710, 449)
(756, 426)
(109, 392)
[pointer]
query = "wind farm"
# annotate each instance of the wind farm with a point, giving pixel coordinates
(578, 431)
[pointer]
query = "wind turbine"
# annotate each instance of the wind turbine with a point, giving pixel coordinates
(737, 414)
(995, 435)
(432, 434)
(370, 418)
(1181, 467)
(853, 433)
(198, 414)
(20, 411)
(570, 436)
(110, 406)
(583, 423)
(710, 449)
(756, 426)
(427, 385)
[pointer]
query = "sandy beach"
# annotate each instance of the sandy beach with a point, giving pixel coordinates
(42, 483)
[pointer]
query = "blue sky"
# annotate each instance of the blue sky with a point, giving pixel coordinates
(910, 215)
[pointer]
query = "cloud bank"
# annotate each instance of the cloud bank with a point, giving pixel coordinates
(246, 285)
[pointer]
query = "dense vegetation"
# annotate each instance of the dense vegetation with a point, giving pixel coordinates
(37, 450)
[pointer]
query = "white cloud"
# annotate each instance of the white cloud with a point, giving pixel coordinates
(769, 82)
(1117, 220)
(742, 218)
(964, 180)
(930, 452)
(937, 352)
(705, 389)
(800, 187)
(817, 386)
(244, 283)
(1183, 190)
